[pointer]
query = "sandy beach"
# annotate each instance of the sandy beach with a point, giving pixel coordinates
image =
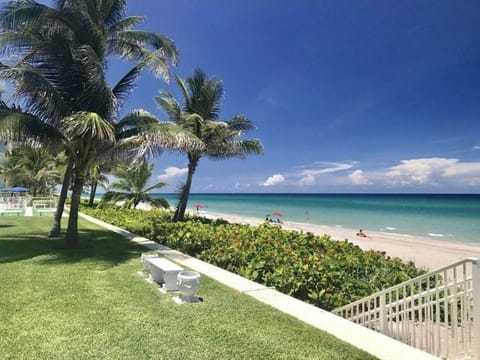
(424, 252)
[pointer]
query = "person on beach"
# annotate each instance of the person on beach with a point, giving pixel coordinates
(307, 214)
(361, 233)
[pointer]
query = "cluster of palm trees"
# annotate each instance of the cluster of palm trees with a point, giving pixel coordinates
(32, 167)
(57, 58)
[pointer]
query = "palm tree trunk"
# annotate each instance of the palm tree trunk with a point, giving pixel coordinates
(67, 178)
(71, 238)
(182, 204)
(93, 190)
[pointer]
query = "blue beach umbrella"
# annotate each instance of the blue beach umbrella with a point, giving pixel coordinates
(18, 189)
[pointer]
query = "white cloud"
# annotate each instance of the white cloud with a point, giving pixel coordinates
(357, 178)
(476, 147)
(272, 95)
(307, 180)
(238, 185)
(419, 171)
(434, 171)
(463, 169)
(331, 168)
(274, 180)
(171, 172)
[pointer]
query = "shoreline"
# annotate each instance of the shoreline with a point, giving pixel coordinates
(424, 252)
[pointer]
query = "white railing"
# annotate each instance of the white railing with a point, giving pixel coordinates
(28, 206)
(438, 312)
(44, 202)
(13, 202)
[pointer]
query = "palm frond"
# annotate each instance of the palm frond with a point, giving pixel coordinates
(91, 76)
(180, 190)
(156, 186)
(185, 91)
(18, 43)
(20, 13)
(155, 60)
(88, 125)
(168, 136)
(170, 106)
(22, 127)
(236, 149)
(59, 3)
(151, 40)
(125, 24)
(125, 49)
(120, 185)
(126, 84)
(196, 82)
(113, 197)
(240, 123)
(211, 99)
(157, 64)
(134, 123)
(140, 128)
(159, 202)
(41, 98)
(112, 11)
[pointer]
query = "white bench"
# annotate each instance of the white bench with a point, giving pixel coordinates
(11, 211)
(164, 271)
(46, 210)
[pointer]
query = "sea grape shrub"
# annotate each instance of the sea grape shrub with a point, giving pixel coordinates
(312, 268)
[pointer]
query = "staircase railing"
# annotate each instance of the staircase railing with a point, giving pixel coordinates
(438, 312)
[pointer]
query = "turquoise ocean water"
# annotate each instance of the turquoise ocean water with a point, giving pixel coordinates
(447, 217)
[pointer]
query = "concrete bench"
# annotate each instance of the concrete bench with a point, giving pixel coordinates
(11, 211)
(45, 210)
(164, 271)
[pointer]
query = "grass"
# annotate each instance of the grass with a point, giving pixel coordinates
(91, 303)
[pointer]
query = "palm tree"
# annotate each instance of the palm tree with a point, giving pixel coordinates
(60, 75)
(131, 186)
(21, 126)
(199, 115)
(95, 178)
(32, 167)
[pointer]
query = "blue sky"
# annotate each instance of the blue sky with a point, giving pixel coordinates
(347, 96)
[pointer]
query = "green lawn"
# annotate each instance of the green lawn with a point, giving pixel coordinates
(92, 304)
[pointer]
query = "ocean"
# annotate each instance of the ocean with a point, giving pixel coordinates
(448, 217)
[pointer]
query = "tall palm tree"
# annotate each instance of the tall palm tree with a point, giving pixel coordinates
(59, 72)
(199, 115)
(131, 187)
(93, 139)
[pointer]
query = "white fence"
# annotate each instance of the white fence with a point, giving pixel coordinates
(13, 202)
(29, 206)
(438, 312)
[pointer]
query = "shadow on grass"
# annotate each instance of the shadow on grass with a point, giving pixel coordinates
(97, 245)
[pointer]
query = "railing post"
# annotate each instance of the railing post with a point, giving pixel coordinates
(383, 314)
(476, 307)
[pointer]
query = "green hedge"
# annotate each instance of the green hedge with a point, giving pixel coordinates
(312, 268)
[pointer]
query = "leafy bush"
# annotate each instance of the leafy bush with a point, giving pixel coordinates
(312, 268)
